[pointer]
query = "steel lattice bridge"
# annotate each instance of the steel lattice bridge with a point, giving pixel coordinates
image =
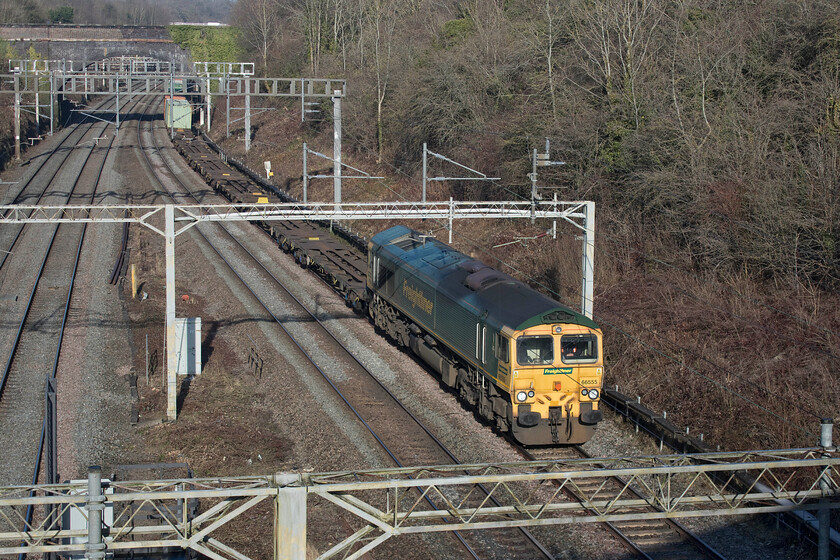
(388, 503)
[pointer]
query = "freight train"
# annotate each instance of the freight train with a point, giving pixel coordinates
(529, 365)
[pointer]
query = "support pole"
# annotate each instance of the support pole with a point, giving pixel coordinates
(227, 110)
(588, 265)
(37, 84)
(451, 217)
(171, 115)
(425, 174)
(290, 519)
(824, 515)
(209, 103)
(117, 88)
(17, 114)
(171, 376)
(533, 185)
(52, 103)
(305, 174)
(95, 503)
(337, 145)
(247, 114)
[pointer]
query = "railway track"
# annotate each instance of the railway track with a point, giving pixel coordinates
(28, 386)
(400, 433)
(33, 346)
(35, 189)
(657, 539)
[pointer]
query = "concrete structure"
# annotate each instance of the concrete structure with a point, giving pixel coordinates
(93, 42)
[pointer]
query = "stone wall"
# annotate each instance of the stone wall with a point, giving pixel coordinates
(82, 32)
(93, 42)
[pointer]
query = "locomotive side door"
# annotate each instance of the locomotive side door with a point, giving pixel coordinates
(483, 341)
(501, 353)
(383, 277)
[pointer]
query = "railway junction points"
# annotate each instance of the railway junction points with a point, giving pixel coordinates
(246, 510)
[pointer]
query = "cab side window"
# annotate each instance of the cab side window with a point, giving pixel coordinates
(501, 348)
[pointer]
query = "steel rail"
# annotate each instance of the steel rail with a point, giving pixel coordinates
(44, 158)
(690, 538)
(10, 359)
(60, 339)
(65, 313)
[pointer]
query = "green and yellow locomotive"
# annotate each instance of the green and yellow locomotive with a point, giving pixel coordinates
(528, 364)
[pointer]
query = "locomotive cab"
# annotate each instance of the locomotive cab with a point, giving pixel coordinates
(556, 383)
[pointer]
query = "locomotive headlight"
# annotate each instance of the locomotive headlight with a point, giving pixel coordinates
(593, 394)
(584, 392)
(521, 396)
(530, 394)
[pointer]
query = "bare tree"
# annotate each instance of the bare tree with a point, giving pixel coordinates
(542, 40)
(617, 38)
(260, 24)
(695, 60)
(382, 18)
(315, 17)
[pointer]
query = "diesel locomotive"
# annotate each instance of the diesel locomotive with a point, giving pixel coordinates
(527, 364)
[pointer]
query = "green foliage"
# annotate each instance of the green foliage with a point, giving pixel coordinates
(7, 51)
(455, 31)
(695, 18)
(63, 14)
(613, 153)
(214, 44)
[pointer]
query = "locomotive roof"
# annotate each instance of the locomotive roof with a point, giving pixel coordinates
(508, 301)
